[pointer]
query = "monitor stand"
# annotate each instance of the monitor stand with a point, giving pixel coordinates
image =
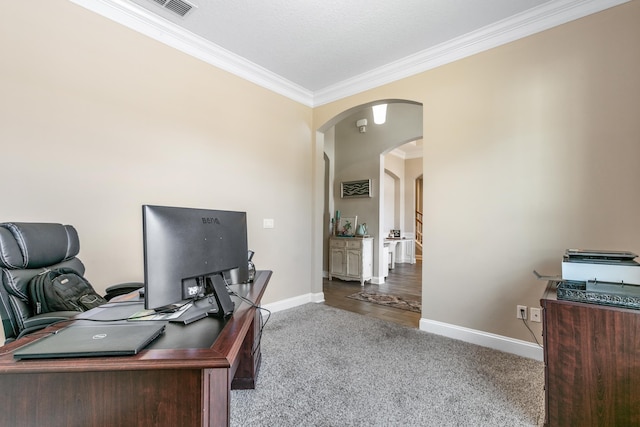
(199, 310)
(217, 304)
(223, 300)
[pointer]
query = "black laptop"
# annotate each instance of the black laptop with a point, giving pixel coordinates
(122, 339)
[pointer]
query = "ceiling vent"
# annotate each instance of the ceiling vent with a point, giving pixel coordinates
(179, 7)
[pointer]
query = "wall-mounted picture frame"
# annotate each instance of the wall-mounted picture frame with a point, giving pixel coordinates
(347, 226)
(352, 189)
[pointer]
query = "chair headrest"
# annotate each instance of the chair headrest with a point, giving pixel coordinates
(25, 245)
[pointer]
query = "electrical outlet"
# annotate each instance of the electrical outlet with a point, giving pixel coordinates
(534, 314)
(521, 312)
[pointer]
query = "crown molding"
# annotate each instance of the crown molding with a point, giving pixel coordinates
(407, 154)
(535, 20)
(543, 17)
(139, 19)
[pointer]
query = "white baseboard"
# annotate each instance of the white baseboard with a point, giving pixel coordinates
(294, 302)
(485, 339)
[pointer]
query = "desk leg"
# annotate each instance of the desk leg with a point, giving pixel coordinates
(250, 358)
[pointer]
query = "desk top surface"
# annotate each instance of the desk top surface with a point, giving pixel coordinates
(208, 342)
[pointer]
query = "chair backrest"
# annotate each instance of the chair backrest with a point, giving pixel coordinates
(27, 249)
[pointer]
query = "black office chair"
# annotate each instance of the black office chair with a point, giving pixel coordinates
(27, 249)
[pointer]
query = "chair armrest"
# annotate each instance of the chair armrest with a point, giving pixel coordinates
(122, 289)
(41, 321)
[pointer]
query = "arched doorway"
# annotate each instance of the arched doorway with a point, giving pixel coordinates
(350, 154)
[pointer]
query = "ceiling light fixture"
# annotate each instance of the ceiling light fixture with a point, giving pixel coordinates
(379, 114)
(362, 125)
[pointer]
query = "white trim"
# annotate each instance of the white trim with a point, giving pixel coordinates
(485, 339)
(532, 21)
(543, 17)
(294, 302)
(139, 19)
(406, 154)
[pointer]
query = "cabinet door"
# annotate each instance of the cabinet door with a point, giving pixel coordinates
(592, 356)
(338, 265)
(354, 263)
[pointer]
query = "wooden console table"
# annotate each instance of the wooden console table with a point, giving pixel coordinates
(183, 378)
(592, 363)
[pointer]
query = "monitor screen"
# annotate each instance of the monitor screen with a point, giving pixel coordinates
(183, 246)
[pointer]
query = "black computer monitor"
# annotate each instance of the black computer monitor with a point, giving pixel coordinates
(189, 253)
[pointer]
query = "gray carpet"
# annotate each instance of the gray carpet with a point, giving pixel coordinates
(327, 367)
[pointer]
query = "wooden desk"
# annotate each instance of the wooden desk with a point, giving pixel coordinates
(157, 387)
(592, 363)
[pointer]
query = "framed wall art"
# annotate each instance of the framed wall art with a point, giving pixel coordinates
(351, 189)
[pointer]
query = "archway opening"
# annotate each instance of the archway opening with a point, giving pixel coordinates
(349, 154)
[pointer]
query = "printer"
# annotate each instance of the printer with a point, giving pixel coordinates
(612, 272)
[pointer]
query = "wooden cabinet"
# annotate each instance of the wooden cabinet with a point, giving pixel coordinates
(351, 258)
(592, 363)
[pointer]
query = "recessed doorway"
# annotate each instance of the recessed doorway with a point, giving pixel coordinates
(352, 153)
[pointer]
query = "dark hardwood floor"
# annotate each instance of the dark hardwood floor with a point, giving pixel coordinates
(404, 281)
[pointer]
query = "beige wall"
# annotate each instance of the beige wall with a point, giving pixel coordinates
(96, 120)
(530, 148)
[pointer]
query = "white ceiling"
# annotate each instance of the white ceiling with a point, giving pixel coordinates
(316, 44)
(319, 51)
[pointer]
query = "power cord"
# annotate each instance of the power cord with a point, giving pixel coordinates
(263, 322)
(522, 316)
(260, 309)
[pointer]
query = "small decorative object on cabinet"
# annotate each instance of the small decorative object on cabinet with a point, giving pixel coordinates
(347, 225)
(351, 258)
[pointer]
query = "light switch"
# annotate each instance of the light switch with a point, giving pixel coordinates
(268, 223)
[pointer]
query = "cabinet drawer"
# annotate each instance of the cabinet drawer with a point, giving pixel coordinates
(353, 244)
(335, 243)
